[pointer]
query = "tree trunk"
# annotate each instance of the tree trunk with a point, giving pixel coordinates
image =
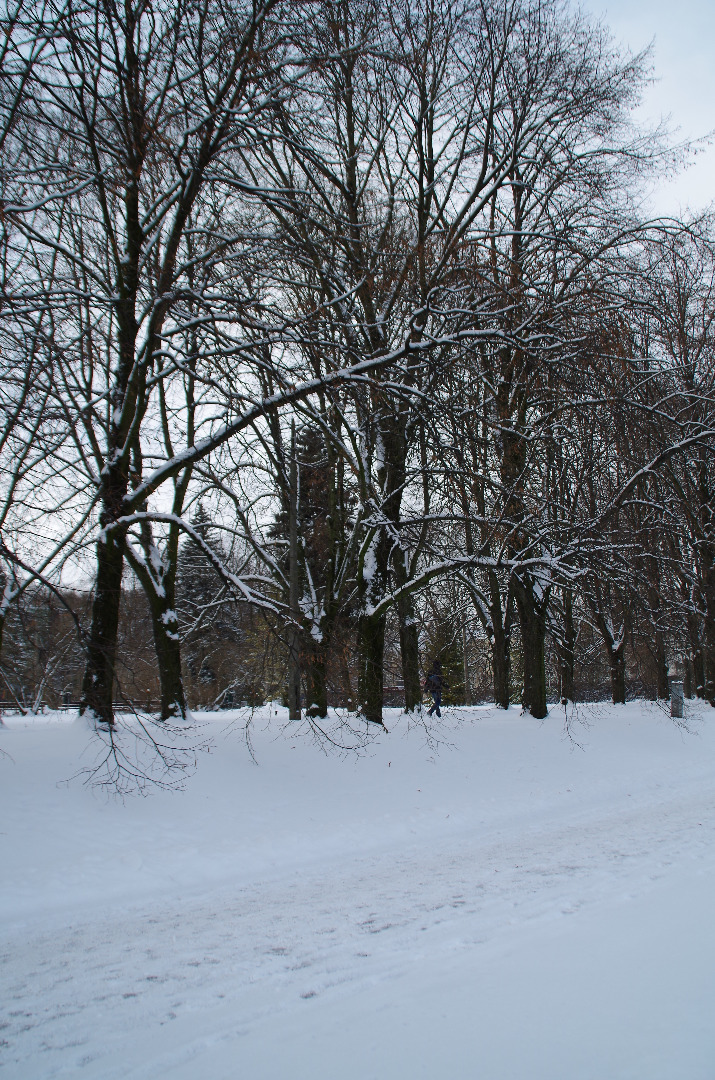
(98, 683)
(347, 684)
(498, 629)
(709, 630)
(157, 574)
(699, 672)
(293, 630)
(371, 632)
(99, 673)
(316, 683)
(613, 639)
(167, 643)
(616, 649)
(371, 626)
(168, 653)
(661, 667)
(618, 672)
(501, 666)
(465, 663)
(709, 661)
(533, 636)
(410, 654)
(568, 649)
(696, 655)
(409, 640)
(688, 678)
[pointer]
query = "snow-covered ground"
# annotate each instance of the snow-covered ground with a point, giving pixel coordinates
(513, 904)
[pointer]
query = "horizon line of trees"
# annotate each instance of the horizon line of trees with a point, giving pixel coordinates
(339, 333)
(236, 657)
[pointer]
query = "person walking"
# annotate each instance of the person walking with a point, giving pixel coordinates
(435, 684)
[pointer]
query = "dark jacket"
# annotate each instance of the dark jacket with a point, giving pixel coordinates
(434, 681)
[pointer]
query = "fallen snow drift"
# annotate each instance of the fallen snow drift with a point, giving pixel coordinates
(510, 903)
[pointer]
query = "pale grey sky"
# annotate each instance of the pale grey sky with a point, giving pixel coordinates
(683, 32)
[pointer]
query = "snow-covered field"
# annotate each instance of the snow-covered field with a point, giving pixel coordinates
(509, 905)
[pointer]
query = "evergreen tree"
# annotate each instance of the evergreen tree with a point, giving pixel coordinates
(205, 616)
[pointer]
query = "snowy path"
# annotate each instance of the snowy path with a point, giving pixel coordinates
(241, 978)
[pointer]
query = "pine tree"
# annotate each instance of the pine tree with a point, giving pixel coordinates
(205, 618)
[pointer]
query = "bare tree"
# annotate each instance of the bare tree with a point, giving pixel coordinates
(134, 111)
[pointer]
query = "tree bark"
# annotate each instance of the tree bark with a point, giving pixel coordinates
(661, 667)
(465, 664)
(495, 619)
(616, 649)
(372, 577)
(614, 641)
(709, 661)
(373, 573)
(653, 570)
(709, 628)
(98, 682)
(409, 652)
(168, 652)
(688, 678)
(128, 402)
(699, 672)
(371, 632)
(161, 597)
(347, 683)
(696, 656)
(501, 665)
(618, 672)
(316, 681)
(568, 649)
(409, 640)
(293, 630)
(532, 621)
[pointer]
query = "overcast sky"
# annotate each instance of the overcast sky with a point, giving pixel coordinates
(683, 33)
